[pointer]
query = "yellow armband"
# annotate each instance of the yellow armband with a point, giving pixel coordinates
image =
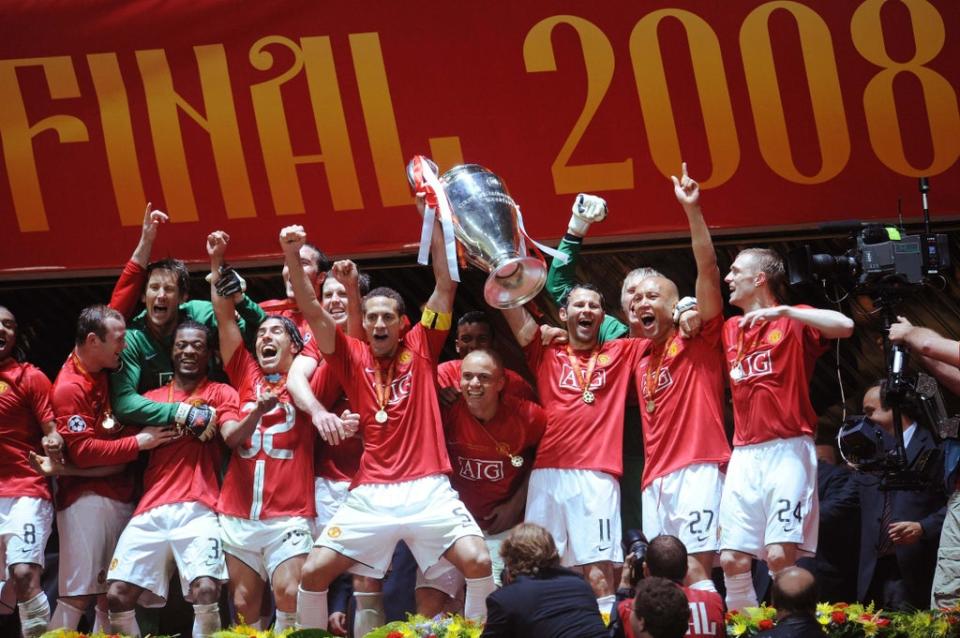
(436, 320)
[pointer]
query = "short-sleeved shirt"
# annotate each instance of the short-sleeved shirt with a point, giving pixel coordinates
(579, 435)
(686, 424)
(481, 453)
(81, 402)
(771, 398)
(410, 444)
(271, 473)
(185, 470)
(24, 406)
(448, 376)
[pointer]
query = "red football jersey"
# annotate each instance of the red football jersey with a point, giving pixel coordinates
(271, 473)
(771, 396)
(128, 289)
(483, 474)
(410, 444)
(186, 469)
(80, 402)
(580, 435)
(448, 376)
(288, 308)
(24, 406)
(706, 614)
(684, 380)
(338, 462)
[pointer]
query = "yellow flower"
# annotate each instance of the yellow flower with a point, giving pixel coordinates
(606, 617)
(738, 629)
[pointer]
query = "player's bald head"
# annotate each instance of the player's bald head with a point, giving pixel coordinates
(666, 287)
(795, 591)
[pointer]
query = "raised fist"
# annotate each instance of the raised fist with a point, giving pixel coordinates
(587, 209)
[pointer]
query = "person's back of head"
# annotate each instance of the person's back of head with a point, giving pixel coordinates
(667, 558)
(529, 549)
(794, 592)
(660, 609)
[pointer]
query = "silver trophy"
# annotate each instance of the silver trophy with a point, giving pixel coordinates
(485, 220)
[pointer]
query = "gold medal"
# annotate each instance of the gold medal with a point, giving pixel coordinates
(516, 461)
(108, 422)
(381, 416)
(651, 406)
(588, 397)
(736, 372)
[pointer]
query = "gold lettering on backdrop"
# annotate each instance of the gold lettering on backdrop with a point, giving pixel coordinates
(823, 82)
(17, 133)
(711, 81)
(879, 105)
(314, 56)
(538, 56)
(118, 137)
(164, 105)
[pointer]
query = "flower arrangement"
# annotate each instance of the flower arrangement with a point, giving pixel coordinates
(750, 621)
(840, 620)
(442, 626)
(237, 631)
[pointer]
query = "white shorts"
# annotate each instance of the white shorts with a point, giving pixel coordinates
(448, 579)
(181, 535)
(263, 545)
(770, 496)
(330, 495)
(685, 503)
(581, 509)
(89, 530)
(25, 526)
(426, 513)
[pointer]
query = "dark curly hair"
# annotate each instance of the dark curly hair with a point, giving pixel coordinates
(663, 607)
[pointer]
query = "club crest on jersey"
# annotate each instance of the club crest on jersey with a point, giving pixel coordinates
(480, 469)
(76, 423)
(334, 532)
(4, 386)
(756, 364)
(603, 359)
(113, 564)
(405, 357)
(674, 349)
(775, 337)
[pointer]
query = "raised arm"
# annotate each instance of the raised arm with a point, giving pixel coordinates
(926, 342)
(522, 324)
(322, 325)
(151, 223)
(441, 300)
(830, 323)
(223, 307)
(709, 298)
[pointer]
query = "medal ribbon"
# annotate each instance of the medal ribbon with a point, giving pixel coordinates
(425, 180)
(556, 254)
(501, 446)
(651, 377)
(194, 395)
(742, 351)
(583, 380)
(383, 389)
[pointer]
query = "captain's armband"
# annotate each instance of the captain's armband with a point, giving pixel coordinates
(436, 320)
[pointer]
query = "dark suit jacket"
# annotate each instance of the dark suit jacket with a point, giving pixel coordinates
(835, 565)
(795, 627)
(558, 603)
(927, 507)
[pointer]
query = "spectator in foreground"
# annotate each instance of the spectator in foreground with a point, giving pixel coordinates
(540, 599)
(660, 610)
(795, 598)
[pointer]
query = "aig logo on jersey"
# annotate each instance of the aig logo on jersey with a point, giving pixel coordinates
(756, 364)
(76, 423)
(568, 379)
(399, 387)
(480, 469)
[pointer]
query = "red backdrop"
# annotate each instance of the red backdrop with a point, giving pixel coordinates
(249, 116)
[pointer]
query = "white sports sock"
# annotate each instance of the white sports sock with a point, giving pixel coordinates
(312, 609)
(704, 585)
(101, 620)
(34, 615)
(475, 600)
(605, 604)
(65, 616)
(124, 622)
(206, 620)
(285, 620)
(369, 614)
(740, 592)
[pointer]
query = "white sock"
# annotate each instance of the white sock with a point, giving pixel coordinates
(206, 620)
(475, 600)
(101, 621)
(704, 585)
(369, 614)
(34, 615)
(65, 616)
(285, 620)
(312, 609)
(124, 622)
(740, 592)
(605, 604)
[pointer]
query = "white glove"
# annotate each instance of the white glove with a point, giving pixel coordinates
(587, 209)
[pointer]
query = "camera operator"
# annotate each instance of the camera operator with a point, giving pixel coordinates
(941, 357)
(664, 557)
(899, 529)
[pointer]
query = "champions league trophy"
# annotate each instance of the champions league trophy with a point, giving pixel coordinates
(488, 224)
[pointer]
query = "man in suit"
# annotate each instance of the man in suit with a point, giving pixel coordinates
(899, 530)
(795, 598)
